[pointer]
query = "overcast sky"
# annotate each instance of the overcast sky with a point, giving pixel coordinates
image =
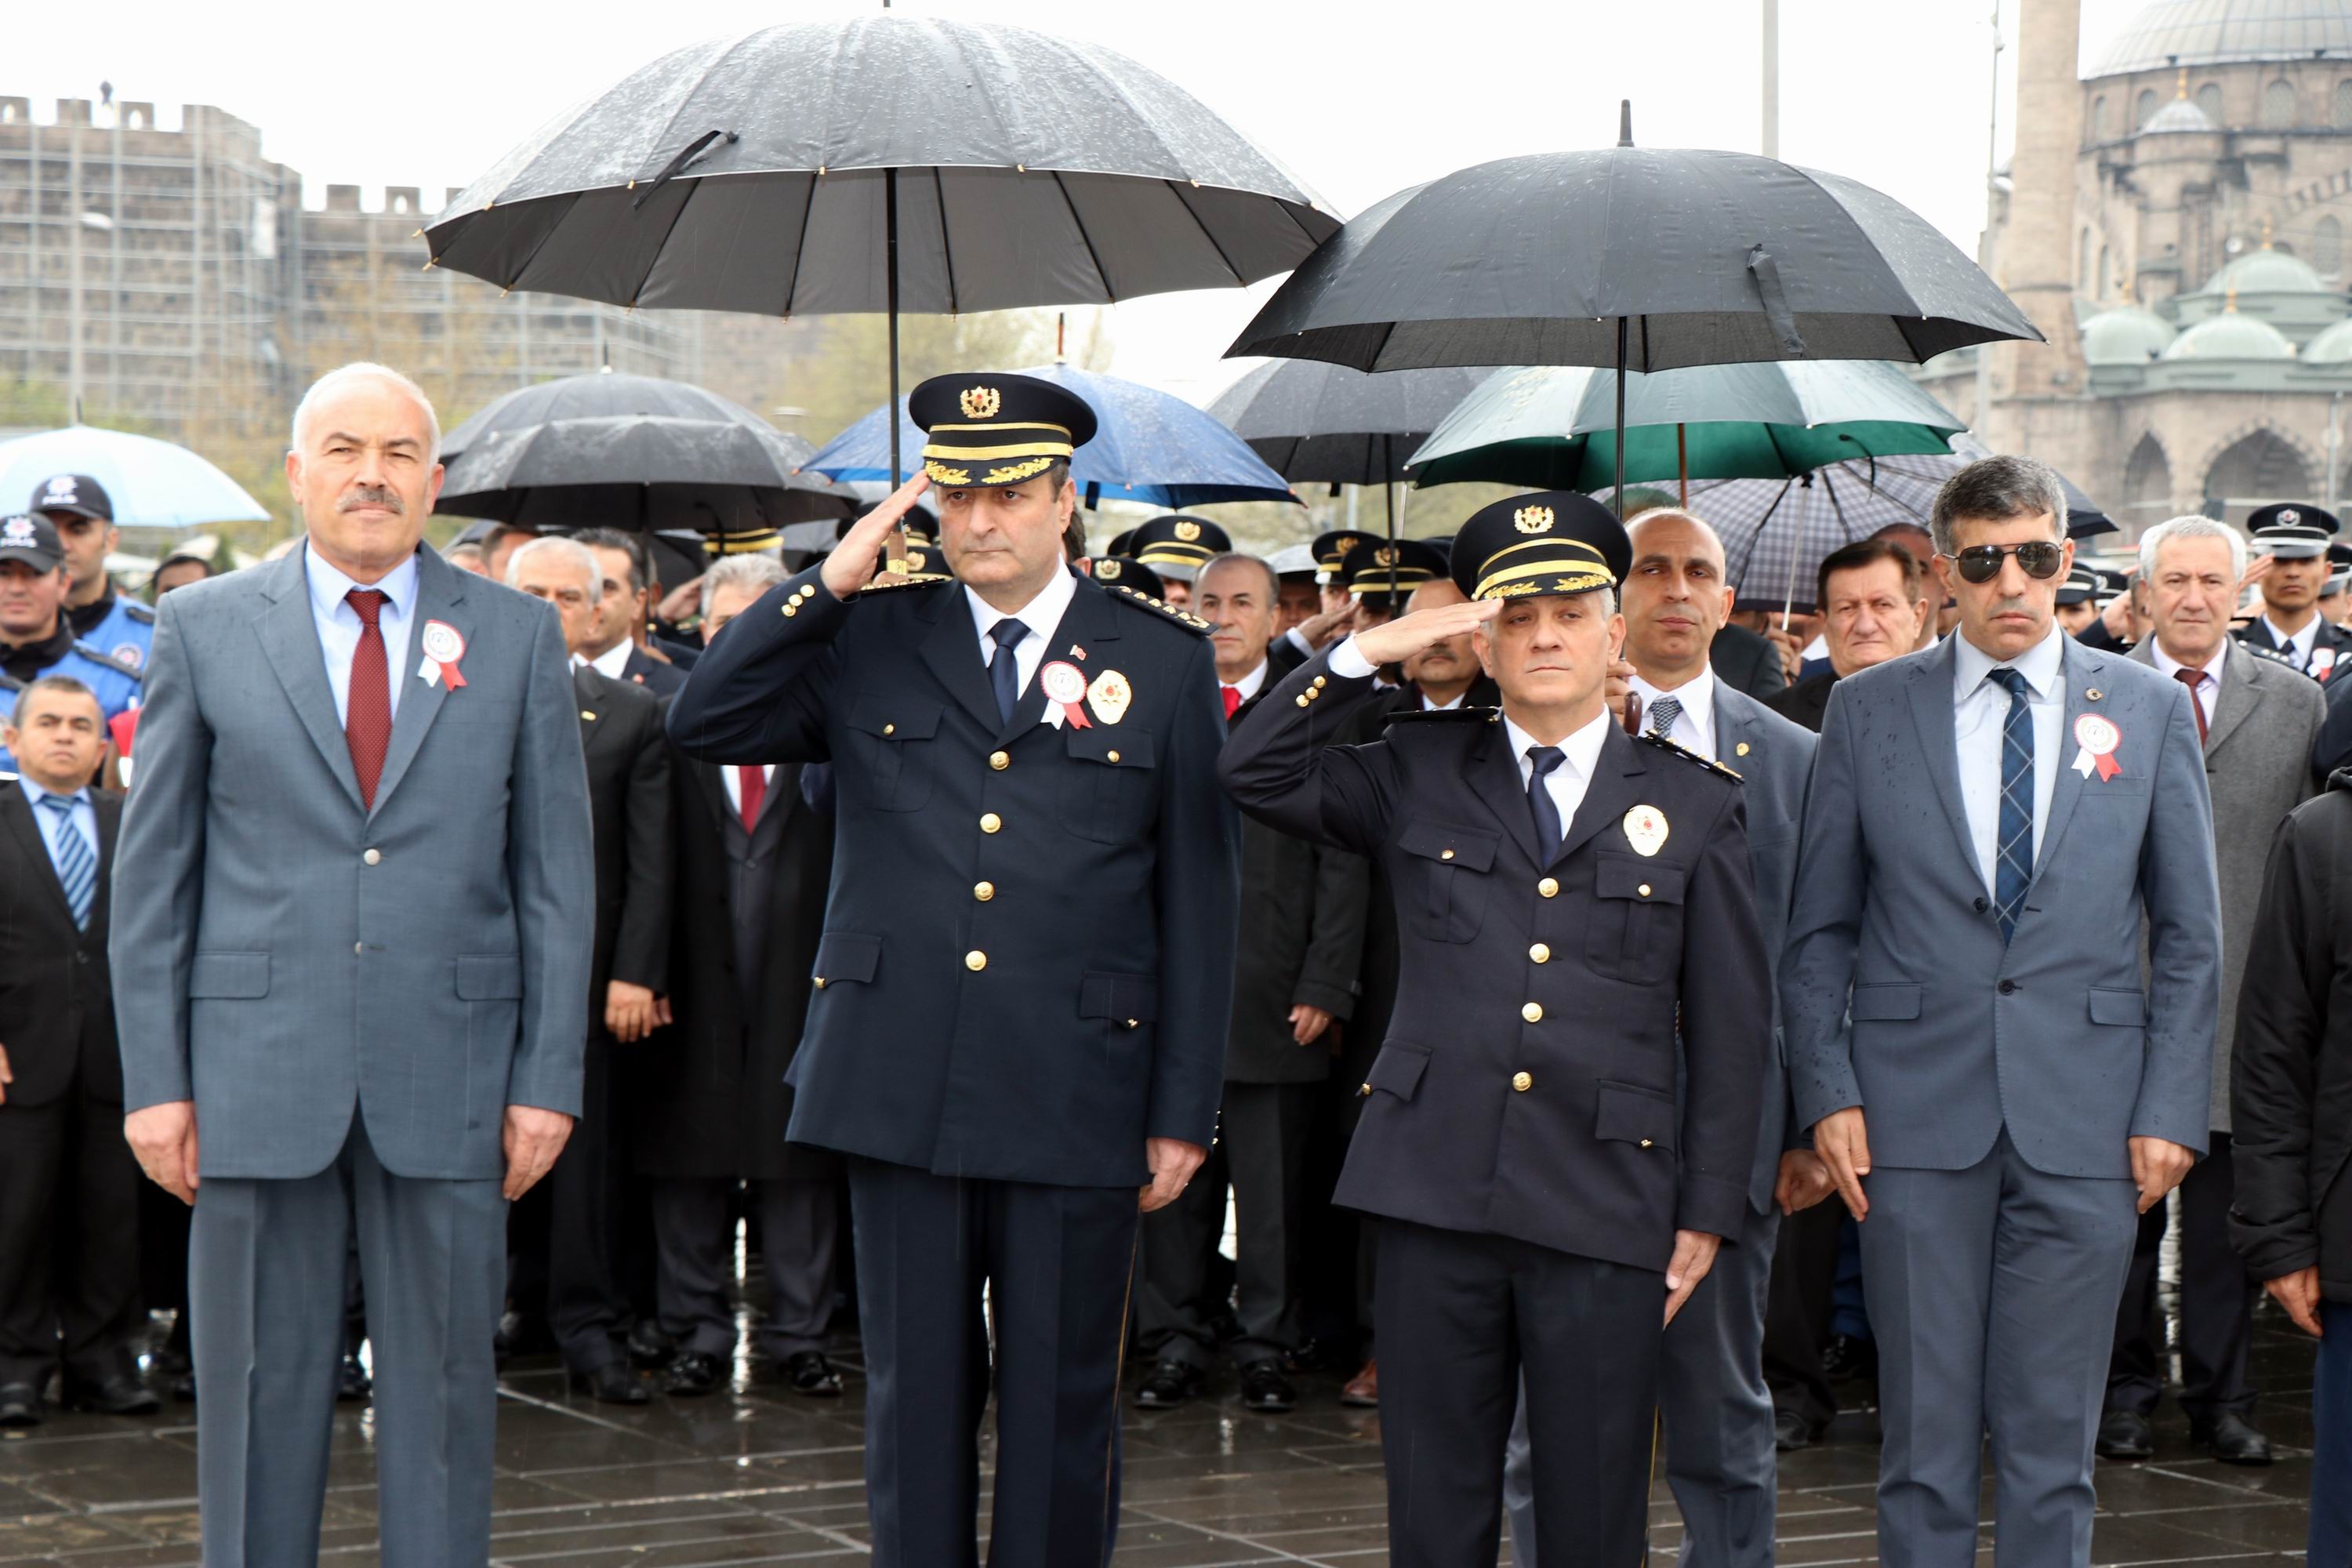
(1359, 98)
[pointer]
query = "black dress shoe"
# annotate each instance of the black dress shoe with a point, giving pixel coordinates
(649, 1348)
(1169, 1385)
(2231, 1439)
(810, 1373)
(2126, 1435)
(352, 1384)
(20, 1404)
(1792, 1431)
(693, 1374)
(611, 1383)
(1849, 1357)
(1264, 1389)
(121, 1395)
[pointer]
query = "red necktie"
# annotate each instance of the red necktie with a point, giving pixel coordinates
(1232, 700)
(753, 782)
(2192, 678)
(367, 708)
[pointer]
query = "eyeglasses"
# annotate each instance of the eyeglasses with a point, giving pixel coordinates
(1981, 563)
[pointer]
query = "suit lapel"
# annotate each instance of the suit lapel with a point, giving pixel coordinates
(2236, 700)
(592, 702)
(440, 595)
(1616, 786)
(18, 812)
(1495, 779)
(290, 639)
(109, 817)
(1935, 719)
(952, 650)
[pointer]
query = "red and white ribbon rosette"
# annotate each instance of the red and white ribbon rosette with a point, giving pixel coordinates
(443, 647)
(2098, 739)
(1065, 693)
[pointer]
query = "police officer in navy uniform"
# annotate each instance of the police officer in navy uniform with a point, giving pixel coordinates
(1025, 974)
(1176, 548)
(2295, 537)
(36, 636)
(1566, 891)
(83, 514)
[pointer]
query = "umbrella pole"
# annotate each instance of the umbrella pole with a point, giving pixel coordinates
(1682, 465)
(1620, 418)
(1388, 495)
(890, 251)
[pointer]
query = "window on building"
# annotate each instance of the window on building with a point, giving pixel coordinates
(2278, 106)
(2209, 99)
(2256, 471)
(2146, 108)
(2339, 112)
(2327, 246)
(2148, 482)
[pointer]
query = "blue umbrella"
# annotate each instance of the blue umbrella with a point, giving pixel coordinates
(1149, 446)
(153, 484)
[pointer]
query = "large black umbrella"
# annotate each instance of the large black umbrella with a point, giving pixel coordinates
(632, 451)
(1324, 423)
(1634, 258)
(884, 163)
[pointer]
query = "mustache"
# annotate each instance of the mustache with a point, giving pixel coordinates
(373, 495)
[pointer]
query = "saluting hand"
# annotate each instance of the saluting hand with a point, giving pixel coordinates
(1322, 630)
(853, 561)
(1423, 629)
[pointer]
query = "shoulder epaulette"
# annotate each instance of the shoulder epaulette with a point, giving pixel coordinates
(2272, 654)
(1687, 754)
(1146, 602)
(1458, 715)
(920, 580)
(99, 656)
(142, 612)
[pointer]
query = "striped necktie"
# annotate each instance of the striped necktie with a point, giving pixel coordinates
(2014, 863)
(76, 865)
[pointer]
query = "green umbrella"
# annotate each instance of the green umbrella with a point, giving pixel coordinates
(1553, 427)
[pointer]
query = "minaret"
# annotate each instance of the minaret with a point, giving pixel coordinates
(2037, 263)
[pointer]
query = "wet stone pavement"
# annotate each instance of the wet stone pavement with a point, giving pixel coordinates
(758, 1475)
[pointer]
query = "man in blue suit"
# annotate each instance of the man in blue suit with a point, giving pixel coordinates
(351, 967)
(1989, 823)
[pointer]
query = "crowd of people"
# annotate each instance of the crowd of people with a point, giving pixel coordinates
(1527, 939)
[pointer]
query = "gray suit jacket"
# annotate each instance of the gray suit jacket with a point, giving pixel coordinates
(2053, 1036)
(1775, 758)
(2257, 765)
(281, 956)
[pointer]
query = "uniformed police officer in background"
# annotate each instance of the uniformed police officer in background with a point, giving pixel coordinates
(36, 637)
(1027, 961)
(83, 514)
(1566, 891)
(2295, 536)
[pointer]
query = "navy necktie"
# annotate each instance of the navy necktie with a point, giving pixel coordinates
(1549, 832)
(76, 867)
(1004, 672)
(2014, 865)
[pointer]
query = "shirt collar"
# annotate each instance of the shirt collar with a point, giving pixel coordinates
(1040, 614)
(329, 586)
(37, 794)
(1251, 684)
(2040, 664)
(613, 664)
(2170, 666)
(1459, 698)
(1579, 752)
(1697, 696)
(2299, 641)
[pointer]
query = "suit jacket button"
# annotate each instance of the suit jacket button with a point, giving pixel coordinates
(1445, 855)
(983, 891)
(2007, 986)
(1532, 1012)
(1522, 1082)
(975, 961)
(372, 857)
(1645, 1142)
(890, 729)
(1549, 887)
(1981, 904)
(1540, 953)
(818, 981)
(1000, 761)
(990, 822)
(1363, 1091)
(1643, 890)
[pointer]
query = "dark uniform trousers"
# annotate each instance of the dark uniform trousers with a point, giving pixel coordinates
(69, 1239)
(1797, 1313)
(799, 1226)
(2217, 1304)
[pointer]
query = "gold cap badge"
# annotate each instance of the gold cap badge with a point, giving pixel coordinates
(981, 402)
(1107, 570)
(1532, 519)
(1187, 530)
(1386, 555)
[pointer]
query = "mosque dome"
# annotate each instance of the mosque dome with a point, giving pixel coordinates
(2333, 346)
(2230, 336)
(2128, 334)
(2227, 32)
(2180, 115)
(2267, 271)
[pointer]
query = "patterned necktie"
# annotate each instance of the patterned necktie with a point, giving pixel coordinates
(367, 709)
(1004, 673)
(751, 783)
(2014, 865)
(2193, 679)
(1662, 714)
(76, 867)
(1543, 760)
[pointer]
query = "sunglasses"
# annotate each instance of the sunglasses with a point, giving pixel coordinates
(1981, 563)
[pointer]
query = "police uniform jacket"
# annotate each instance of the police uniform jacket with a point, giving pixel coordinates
(1027, 961)
(2329, 644)
(118, 686)
(1526, 1087)
(125, 633)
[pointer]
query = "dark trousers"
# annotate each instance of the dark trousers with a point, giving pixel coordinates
(2331, 1441)
(2217, 1304)
(694, 1239)
(1462, 1318)
(563, 1237)
(1055, 1262)
(69, 1241)
(1797, 1312)
(1263, 1145)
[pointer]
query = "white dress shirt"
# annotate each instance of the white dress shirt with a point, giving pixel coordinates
(1041, 615)
(82, 819)
(732, 777)
(1249, 685)
(1429, 707)
(1580, 754)
(339, 625)
(1981, 713)
(2297, 646)
(2208, 680)
(612, 663)
(1694, 728)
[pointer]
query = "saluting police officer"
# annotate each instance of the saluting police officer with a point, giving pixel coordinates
(83, 514)
(1565, 891)
(1025, 975)
(2295, 537)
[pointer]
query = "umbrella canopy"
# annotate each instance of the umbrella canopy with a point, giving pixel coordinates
(1150, 447)
(1554, 426)
(632, 451)
(1328, 424)
(153, 484)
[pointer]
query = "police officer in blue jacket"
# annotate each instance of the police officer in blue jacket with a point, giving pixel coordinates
(1026, 968)
(36, 638)
(121, 629)
(1565, 893)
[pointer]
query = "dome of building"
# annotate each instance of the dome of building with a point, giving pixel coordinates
(2181, 114)
(2333, 346)
(2128, 334)
(2224, 32)
(2267, 271)
(2230, 336)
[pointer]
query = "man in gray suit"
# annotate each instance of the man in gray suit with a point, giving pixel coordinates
(1989, 823)
(1717, 1411)
(352, 956)
(2257, 716)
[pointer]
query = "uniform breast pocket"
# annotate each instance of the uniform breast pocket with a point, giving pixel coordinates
(1108, 784)
(1635, 934)
(894, 743)
(1443, 879)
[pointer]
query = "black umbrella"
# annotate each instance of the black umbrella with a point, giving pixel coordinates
(885, 163)
(1632, 258)
(632, 451)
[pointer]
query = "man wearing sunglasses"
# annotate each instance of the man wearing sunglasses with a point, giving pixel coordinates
(1997, 1090)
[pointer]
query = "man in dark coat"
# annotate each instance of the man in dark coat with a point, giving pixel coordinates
(1748, 662)
(751, 857)
(2296, 535)
(1302, 914)
(2291, 1103)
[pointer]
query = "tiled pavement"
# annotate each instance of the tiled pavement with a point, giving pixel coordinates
(760, 1476)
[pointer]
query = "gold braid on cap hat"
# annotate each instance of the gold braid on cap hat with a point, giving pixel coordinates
(1518, 578)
